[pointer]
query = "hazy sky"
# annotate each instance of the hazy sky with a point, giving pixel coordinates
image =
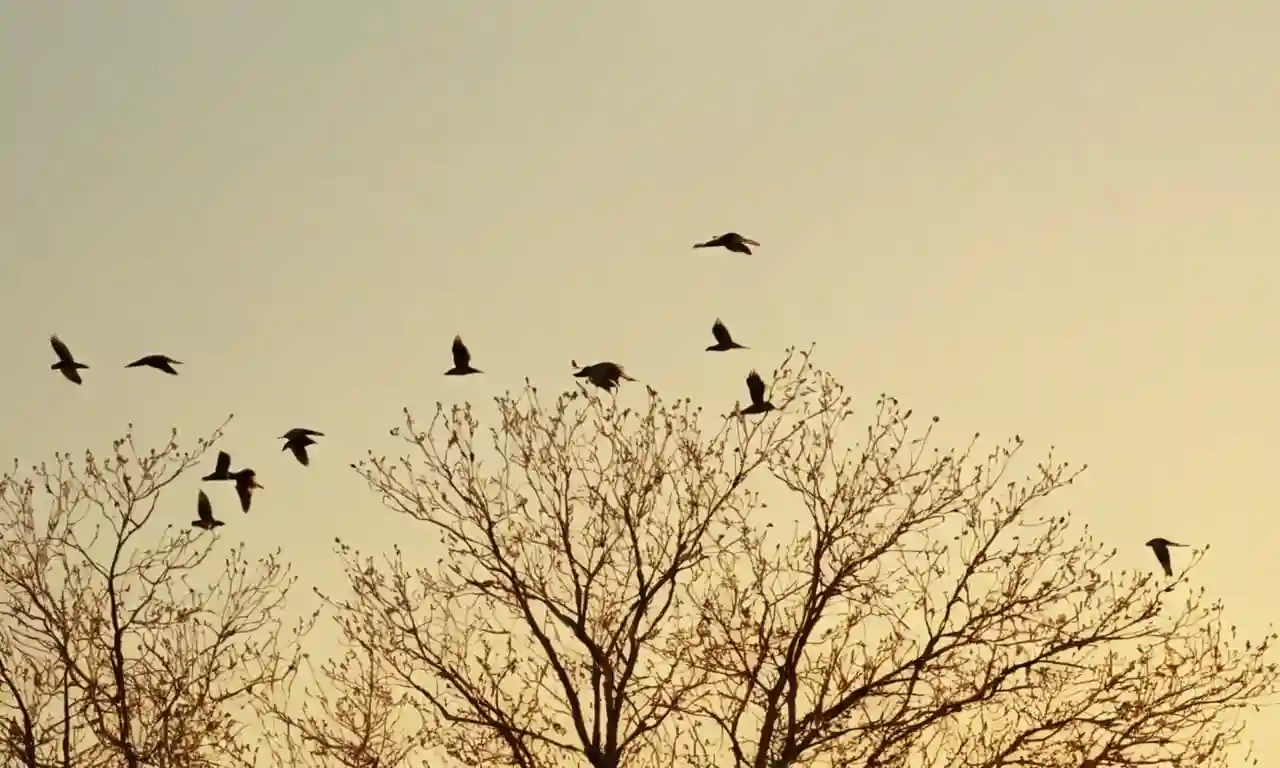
(1052, 218)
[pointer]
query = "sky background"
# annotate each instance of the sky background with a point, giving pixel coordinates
(1052, 218)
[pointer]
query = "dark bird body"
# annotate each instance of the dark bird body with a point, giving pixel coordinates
(605, 375)
(246, 481)
(222, 470)
(66, 364)
(297, 440)
(1161, 548)
(204, 514)
(724, 342)
(461, 360)
(730, 241)
(159, 362)
(755, 388)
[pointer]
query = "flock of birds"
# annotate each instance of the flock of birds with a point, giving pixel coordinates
(606, 375)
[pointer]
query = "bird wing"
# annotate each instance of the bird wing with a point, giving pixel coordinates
(1162, 554)
(749, 241)
(244, 489)
(204, 507)
(755, 387)
(461, 355)
(60, 349)
(606, 374)
(297, 433)
(721, 333)
(299, 451)
(224, 463)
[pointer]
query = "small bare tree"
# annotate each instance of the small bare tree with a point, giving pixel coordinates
(122, 641)
(614, 592)
(350, 714)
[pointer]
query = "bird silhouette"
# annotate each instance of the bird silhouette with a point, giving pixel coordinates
(755, 388)
(461, 360)
(222, 470)
(66, 364)
(605, 375)
(724, 342)
(159, 362)
(204, 514)
(297, 440)
(1161, 548)
(731, 241)
(246, 481)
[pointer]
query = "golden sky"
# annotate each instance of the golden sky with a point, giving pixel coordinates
(1052, 218)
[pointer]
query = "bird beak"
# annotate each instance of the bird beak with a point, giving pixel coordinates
(256, 484)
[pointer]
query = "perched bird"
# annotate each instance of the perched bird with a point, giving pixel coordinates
(159, 362)
(246, 481)
(724, 342)
(755, 388)
(222, 470)
(297, 440)
(204, 513)
(66, 364)
(461, 360)
(730, 241)
(604, 375)
(1161, 548)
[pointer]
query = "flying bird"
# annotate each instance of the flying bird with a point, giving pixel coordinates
(66, 364)
(222, 470)
(724, 342)
(755, 388)
(604, 375)
(297, 440)
(246, 481)
(1161, 548)
(159, 362)
(204, 513)
(461, 360)
(730, 241)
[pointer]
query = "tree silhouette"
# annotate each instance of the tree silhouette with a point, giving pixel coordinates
(122, 640)
(349, 713)
(614, 590)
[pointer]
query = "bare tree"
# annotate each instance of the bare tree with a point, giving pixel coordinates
(122, 640)
(350, 714)
(548, 629)
(614, 592)
(923, 613)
